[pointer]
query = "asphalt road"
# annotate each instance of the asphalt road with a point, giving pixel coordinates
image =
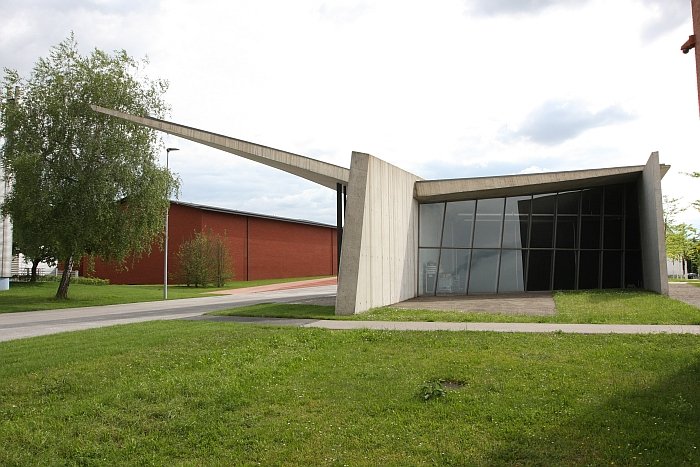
(39, 323)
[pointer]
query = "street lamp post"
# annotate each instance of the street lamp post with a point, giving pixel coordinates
(167, 211)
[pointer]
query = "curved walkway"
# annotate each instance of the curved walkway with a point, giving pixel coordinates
(684, 292)
(278, 286)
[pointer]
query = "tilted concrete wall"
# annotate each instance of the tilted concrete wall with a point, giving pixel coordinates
(652, 227)
(380, 239)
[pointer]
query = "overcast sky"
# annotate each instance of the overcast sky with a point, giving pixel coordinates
(445, 89)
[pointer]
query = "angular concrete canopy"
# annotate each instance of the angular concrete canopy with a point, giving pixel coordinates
(325, 174)
(379, 258)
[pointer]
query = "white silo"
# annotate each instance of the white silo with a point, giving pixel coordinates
(5, 237)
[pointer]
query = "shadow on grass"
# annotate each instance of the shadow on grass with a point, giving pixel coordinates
(654, 425)
(281, 310)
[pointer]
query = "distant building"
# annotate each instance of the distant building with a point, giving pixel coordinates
(261, 247)
(21, 266)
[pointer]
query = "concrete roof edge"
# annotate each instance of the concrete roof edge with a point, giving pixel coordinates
(433, 190)
(390, 164)
(631, 168)
(205, 207)
(320, 172)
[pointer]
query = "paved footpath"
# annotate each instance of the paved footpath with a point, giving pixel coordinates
(684, 292)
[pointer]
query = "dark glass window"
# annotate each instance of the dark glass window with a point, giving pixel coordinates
(612, 269)
(459, 221)
(590, 232)
(633, 269)
(585, 239)
(453, 272)
(568, 202)
(591, 200)
(612, 232)
(539, 270)
(489, 220)
(567, 228)
(565, 270)
(427, 270)
(614, 199)
(588, 269)
(484, 272)
(512, 274)
(631, 201)
(544, 204)
(518, 205)
(632, 234)
(515, 232)
(430, 224)
(542, 232)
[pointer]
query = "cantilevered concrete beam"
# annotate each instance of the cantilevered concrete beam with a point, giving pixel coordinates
(325, 174)
(428, 191)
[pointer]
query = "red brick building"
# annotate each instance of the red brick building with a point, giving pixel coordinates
(261, 247)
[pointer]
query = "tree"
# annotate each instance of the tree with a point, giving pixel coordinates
(220, 259)
(27, 229)
(205, 259)
(91, 181)
(671, 211)
(696, 203)
(682, 242)
(194, 258)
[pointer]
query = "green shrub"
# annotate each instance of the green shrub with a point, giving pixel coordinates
(204, 260)
(89, 281)
(75, 280)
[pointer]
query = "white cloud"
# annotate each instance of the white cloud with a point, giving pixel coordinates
(501, 7)
(341, 13)
(665, 16)
(556, 121)
(533, 169)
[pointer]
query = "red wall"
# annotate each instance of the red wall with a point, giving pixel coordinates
(260, 248)
(278, 249)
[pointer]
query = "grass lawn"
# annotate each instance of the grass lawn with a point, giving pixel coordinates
(24, 296)
(590, 306)
(205, 393)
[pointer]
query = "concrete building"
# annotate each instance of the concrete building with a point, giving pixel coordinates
(260, 247)
(404, 236)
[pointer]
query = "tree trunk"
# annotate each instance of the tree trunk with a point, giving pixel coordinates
(35, 264)
(62, 292)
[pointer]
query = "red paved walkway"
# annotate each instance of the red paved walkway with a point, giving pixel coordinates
(280, 286)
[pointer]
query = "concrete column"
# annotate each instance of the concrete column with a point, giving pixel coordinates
(5, 238)
(651, 220)
(378, 265)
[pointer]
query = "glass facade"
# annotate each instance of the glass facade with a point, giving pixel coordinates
(578, 239)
